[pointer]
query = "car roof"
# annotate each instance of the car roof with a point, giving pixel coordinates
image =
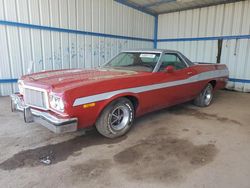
(151, 51)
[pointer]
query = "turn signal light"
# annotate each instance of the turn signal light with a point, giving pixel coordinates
(89, 105)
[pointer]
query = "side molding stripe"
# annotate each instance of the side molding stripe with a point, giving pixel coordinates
(195, 78)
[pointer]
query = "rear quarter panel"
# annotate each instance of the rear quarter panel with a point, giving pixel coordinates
(219, 80)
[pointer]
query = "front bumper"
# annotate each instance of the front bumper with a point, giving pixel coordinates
(51, 121)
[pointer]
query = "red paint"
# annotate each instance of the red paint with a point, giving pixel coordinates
(77, 83)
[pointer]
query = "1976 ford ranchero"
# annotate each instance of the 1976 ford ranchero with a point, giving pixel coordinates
(110, 97)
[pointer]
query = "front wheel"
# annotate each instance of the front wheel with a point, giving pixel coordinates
(204, 99)
(116, 119)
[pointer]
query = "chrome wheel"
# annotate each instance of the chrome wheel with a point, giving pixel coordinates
(119, 118)
(208, 95)
(116, 119)
(205, 97)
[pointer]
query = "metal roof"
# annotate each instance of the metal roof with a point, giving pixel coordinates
(155, 7)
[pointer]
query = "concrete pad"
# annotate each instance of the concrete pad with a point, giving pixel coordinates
(183, 146)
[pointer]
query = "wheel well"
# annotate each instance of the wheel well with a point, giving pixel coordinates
(213, 82)
(134, 101)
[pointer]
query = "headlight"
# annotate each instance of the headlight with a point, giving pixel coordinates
(56, 103)
(20, 86)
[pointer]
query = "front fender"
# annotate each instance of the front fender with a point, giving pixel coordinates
(113, 98)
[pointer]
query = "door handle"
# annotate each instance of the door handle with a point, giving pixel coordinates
(190, 73)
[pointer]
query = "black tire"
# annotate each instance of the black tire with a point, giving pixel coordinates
(205, 98)
(105, 124)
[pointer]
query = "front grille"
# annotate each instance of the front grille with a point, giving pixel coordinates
(35, 98)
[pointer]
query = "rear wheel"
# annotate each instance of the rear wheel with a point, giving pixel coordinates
(205, 97)
(116, 119)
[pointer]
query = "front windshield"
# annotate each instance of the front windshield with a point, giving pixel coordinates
(137, 61)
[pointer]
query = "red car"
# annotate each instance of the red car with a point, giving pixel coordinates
(110, 97)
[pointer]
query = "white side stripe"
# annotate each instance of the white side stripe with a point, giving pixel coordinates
(195, 78)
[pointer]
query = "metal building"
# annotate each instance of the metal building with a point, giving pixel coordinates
(212, 34)
(57, 34)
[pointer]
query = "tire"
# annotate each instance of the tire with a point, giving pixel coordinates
(205, 98)
(116, 119)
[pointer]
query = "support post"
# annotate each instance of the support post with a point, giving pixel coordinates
(155, 31)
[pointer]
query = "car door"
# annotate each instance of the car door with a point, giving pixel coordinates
(178, 84)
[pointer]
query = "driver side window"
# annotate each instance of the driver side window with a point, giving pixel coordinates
(173, 60)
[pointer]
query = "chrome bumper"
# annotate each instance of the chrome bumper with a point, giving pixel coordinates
(54, 123)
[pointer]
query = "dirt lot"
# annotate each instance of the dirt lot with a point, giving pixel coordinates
(183, 146)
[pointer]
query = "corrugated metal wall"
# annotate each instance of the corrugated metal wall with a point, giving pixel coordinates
(51, 47)
(196, 32)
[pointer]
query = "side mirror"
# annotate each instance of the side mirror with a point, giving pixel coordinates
(169, 69)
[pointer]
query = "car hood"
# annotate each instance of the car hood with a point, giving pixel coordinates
(74, 77)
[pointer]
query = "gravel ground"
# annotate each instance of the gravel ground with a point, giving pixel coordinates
(183, 146)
